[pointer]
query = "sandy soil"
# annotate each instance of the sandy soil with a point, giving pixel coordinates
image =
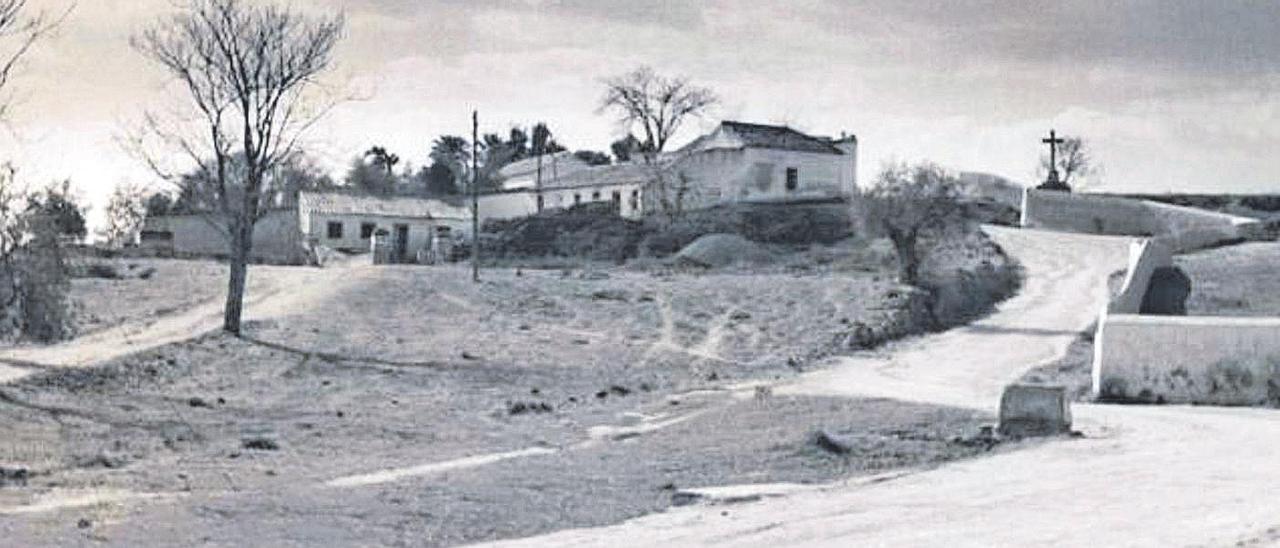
(406, 405)
(1141, 476)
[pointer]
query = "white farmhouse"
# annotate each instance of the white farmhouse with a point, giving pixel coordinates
(741, 162)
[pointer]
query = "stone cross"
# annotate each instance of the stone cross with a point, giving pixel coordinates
(1053, 141)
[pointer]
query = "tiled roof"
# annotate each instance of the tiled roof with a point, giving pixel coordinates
(343, 203)
(615, 174)
(743, 135)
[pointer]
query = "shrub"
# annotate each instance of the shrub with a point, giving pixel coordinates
(43, 286)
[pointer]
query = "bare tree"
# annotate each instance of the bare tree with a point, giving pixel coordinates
(1073, 158)
(659, 105)
(910, 204)
(19, 31)
(126, 212)
(247, 67)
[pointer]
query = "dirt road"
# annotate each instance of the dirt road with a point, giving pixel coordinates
(274, 291)
(1142, 476)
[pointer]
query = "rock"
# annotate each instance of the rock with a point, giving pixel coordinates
(260, 444)
(832, 442)
(610, 295)
(620, 390)
(1032, 410)
(684, 498)
(740, 315)
(197, 402)
(719, 250)
(102, 459)
(84, 523)
(469, 356)
(520, 408)
(14, 475)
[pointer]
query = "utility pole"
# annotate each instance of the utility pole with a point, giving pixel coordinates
(475, 197)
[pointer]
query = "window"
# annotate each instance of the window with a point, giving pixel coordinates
(595, 196)
(793, 178)
(540, 202)
(366, 230)
(335, 230)
(577, 199)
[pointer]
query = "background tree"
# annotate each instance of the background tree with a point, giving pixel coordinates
(912, 205)
(593, 158)
(1075, 161)
(126, 211)
(158, 205)
(59, 204)
(659, 105)
(438, 180)
(246, 67)
(382, 159)
(370, 177)
(20, 29)
(626, 148)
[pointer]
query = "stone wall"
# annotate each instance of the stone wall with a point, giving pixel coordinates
(1181, 228)
(1188, 359)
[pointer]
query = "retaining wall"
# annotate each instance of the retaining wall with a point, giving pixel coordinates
(1144, 258)
(1181, 359)
(1188, 359)
(1181, 228)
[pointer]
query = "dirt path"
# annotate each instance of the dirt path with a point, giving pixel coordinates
(1146, 476)
(282, 290)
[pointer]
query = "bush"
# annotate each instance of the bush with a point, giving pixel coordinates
(43, 286)
(799, 224)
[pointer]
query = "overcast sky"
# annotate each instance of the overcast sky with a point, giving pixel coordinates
(1171, 94)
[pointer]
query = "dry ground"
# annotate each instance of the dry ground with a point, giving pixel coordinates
(544, 399)
(169, 286)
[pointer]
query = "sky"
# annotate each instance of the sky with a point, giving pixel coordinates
(1171, 95)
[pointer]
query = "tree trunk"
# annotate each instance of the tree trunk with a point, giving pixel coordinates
(908, 261)
(241, 246)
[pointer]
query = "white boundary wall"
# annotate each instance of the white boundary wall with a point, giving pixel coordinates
(1181, 359)
(1188, 359)
(1182, 228)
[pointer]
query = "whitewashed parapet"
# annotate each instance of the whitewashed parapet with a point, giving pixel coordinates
(1181, 228)
(1145, 257)
(1188, 359)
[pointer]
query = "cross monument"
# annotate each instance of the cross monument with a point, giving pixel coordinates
(1053, 182)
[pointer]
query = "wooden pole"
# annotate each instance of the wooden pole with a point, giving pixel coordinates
(475, 197)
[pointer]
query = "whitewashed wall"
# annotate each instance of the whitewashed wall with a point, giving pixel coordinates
(760, 175)
(510, 205)
(1188, 359)
(276, 237)
(1182, 228)
(420, 230)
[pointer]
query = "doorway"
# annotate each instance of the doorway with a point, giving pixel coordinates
(400, 248)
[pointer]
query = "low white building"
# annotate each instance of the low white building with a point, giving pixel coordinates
(348, 221)
(412, 227)
(572, 183)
